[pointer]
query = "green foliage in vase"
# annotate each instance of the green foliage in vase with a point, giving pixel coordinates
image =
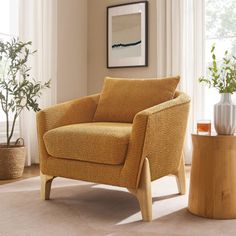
(222, 75)
(17, 89)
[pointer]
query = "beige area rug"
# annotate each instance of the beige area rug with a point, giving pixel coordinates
(80, 208)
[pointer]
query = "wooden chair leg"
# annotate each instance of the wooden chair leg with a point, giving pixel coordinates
(46, 182)
(143, 192)
(180, 177)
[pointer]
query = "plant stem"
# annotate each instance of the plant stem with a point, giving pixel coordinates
(12, 128)
(6, 110)
(7, 118)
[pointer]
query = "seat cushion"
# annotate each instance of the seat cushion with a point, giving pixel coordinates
(122, 99)
(99, 142)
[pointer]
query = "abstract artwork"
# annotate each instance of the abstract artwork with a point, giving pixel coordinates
(127, 35)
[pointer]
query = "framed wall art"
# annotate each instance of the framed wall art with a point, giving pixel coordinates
(127, 35)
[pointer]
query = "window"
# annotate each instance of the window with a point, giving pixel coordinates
(220, 25)
(8, 29)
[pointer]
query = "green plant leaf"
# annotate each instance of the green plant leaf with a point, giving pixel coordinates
(221, 76)
(18, 89)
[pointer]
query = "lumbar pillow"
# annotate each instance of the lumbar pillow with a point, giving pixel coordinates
(122, 99)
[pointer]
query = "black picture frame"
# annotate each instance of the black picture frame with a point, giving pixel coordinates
(127, 62)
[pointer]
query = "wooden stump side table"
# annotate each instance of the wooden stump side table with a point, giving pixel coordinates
(213, 177)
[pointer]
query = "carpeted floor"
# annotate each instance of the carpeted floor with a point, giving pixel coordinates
(80, 208)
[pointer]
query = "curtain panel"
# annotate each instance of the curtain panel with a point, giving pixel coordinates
(8, 15)
(181, 39)
(38, 23)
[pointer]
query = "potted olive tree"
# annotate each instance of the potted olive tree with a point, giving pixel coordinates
(18, 91)
(222, 76)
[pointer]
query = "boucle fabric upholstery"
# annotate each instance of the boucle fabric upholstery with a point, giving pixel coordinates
(99, 142)
(157, 133)
(76, 111)
(82, 170)
(122, 99)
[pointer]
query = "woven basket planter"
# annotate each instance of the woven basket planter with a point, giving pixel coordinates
(12, 161)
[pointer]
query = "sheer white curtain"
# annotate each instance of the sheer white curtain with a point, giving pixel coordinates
(38, 23)
(8, 29)
(180, 39)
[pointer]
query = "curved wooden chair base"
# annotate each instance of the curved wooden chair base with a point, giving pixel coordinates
(46, 182)
(181, 178)
(143, 193)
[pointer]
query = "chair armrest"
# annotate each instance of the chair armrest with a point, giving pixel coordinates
(71, 112)
(158, 133)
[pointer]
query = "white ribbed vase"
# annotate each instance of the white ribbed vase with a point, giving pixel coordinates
(225, 115)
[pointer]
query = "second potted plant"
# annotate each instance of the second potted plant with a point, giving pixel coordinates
(17, 92)
(222, 76)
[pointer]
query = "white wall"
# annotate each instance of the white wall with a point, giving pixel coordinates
(97, 69)
(82, 48)
(72, 49)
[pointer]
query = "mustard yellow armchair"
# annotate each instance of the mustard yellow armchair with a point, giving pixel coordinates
(78, 143)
